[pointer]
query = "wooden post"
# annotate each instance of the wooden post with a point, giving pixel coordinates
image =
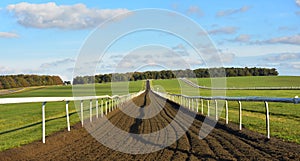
(67, 114)
(240, 115)
(226, 111)
(267, 120)
(43, 123)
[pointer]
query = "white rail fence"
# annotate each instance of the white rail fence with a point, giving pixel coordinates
(237, 88)
(193, 102)
(111, 103)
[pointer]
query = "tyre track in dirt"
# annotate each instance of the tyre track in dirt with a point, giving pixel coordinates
(225, 142)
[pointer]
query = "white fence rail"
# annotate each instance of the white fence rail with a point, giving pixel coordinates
(111, 104)
(193, 101)
(237, 88)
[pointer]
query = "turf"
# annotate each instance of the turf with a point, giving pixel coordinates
(284, 117)
(21, 123)
(255, 81)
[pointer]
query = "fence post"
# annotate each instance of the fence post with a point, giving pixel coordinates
(240, 115)
(208, 113)
(97, 110)
(105, 107)
(67, 114)
(181, 100)
(189, 103)
(226, 111)
(193, 106)
(43, 123)
(91, 110)
(197, 105)
(202, 106)
(109, 105)
(101, 108)
(267, 119)
(81, 112)
(216, 110)
(112, 104)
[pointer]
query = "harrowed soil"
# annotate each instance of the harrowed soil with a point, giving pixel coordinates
(225, 142)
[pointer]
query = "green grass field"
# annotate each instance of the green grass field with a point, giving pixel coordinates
(284, 117)
(261, 81)
(21, 123)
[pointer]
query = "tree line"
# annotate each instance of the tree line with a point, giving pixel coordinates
(169, 74)
(16, 81)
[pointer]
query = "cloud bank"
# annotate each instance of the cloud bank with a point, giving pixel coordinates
(293, 40)
(298, 2)
(51, 15)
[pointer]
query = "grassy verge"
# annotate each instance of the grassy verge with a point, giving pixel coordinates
(21, 123)
(284, 117)
(258, 81)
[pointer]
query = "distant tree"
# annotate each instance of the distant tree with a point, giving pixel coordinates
(1, 87)
(57, 80)
(168, 74)
(11, 81)
(15, 81)
(5, 83)
(21, 82)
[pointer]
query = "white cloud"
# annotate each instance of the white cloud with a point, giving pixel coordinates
(8, 35)
(298, 2)
(57, 63)
(294, 40)
(57, 67)
(295, 65)
(226, 57)
(51, 15)
(224, 30)
(6, 70)
(181, 50)
(232, 11)
(243, 38)
(284, 57)
(195, 10)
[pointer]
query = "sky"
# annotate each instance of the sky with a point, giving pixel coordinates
(47, 37)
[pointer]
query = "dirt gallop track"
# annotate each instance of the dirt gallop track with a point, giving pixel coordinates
(225, 142)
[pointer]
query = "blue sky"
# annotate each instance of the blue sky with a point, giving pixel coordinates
(45, 37)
